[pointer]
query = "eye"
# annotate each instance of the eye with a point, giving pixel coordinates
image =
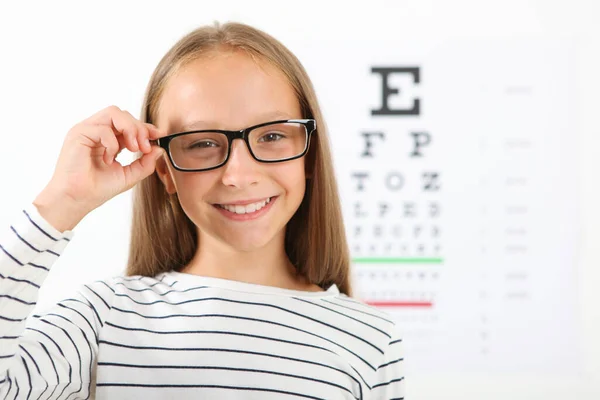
(202, 144)
(271, 137)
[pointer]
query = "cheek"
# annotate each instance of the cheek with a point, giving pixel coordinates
(192, 186)
(292, 178)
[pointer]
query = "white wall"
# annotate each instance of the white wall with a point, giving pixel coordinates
(62, 61)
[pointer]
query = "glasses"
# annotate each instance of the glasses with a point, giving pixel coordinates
(270, 142)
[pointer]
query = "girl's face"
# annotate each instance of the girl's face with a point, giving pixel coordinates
(231, 91)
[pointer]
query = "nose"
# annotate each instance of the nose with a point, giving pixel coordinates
(241, 170)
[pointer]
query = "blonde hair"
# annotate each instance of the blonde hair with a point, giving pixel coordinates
(163, 238)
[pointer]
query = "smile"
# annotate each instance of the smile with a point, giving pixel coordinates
(246, 208)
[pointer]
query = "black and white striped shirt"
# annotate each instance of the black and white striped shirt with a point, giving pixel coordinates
(183, 336)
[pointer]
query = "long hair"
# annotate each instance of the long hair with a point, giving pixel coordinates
(163, 238)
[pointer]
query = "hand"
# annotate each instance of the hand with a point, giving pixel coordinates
(87, 174)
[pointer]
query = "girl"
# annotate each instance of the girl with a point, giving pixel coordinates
(237, 282)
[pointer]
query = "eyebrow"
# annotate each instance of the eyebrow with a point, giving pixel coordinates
(200, 124)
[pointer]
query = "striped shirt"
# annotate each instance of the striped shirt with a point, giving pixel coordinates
(183, 336)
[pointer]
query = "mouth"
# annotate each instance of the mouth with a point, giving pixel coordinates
(250, 208)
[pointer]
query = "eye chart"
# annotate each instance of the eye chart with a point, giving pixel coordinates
(456, 164)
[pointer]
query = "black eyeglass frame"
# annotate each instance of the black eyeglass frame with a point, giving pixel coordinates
(309, 124)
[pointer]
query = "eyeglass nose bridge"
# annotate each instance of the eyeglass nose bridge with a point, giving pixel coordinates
(233, 135)
(241, 134)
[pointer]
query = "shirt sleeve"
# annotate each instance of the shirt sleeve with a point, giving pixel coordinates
(389, 382)
(52, 356)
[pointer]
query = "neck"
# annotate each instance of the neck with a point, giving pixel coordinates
(268, 265)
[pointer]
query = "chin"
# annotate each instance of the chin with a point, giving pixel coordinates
(248, 240)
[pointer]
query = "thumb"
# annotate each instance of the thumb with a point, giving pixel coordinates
(142, 167)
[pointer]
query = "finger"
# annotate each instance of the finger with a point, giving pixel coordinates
(143, 142)
(136, 132)
(141, 139)
(108, 140)
(142, 167)
(142, 134)
(102, 117)
(124, 144)
(122, 122)
(121, 141)
(154, 132)
(101, 136)
(126, 125)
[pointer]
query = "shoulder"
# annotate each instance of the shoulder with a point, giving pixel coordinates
(361, 310)
(366, 320)
(127, 285)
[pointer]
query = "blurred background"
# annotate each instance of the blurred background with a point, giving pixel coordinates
(466, 143)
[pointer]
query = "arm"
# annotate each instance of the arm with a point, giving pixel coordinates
(52, 355)
(389, 382)
(55, 354)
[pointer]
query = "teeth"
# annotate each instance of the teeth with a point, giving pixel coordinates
(248, 208)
